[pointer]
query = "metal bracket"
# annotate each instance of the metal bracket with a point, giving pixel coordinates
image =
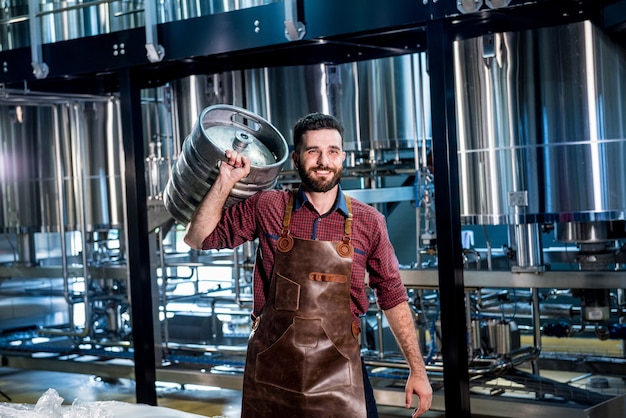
(496, 4)
(294, 28)
(468, 6)
(155, 52)
(40, 68)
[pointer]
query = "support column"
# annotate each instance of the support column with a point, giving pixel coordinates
(449, 250)
(138, 251)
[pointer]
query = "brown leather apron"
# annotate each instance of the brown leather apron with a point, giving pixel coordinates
(303, 356)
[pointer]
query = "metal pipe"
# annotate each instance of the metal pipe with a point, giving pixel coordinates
(476, 255)
(489, 251)
(40, 68)
(76, 6)
(164, 282)
(74, 127)
(243, 302)
(424, 154)
(381, 345)
(59, 175)
(214, 302)
(491, 366)
(529, 252)
(547, 310)
(26, 249)
(468, 324)
(172, 141)
(416, 162)
(621, 299)
(236, 279)
(209, 348)
(537, 327)
(154, 51)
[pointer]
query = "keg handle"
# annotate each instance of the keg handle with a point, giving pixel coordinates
(241, 141)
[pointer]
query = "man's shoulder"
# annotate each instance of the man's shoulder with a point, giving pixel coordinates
(273, 197)
(361, 207)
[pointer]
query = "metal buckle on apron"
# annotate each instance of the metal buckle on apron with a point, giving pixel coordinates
(256, 322)
(356, 329)
(285, 243)
(345, 250)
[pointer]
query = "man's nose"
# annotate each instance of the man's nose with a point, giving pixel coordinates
(322, 159)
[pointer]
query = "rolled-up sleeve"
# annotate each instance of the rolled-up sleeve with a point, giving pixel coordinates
(383, 268)
(237, 226)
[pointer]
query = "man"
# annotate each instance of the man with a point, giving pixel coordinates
(315, 246)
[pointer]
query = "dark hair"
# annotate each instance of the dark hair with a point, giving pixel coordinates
(313, 122)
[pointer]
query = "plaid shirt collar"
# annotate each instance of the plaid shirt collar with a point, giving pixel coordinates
(340, 203)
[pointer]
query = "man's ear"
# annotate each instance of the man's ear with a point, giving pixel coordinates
(295, 158)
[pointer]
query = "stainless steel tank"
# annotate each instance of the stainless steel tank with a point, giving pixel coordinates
(541, 126)
(19, 171)
(375, 99)
(100, 163)
(14, 31)
(61, 165)
(190, 95)
(62, 20)
(180, 10)
(219, 128)
(387, 103)
(219, 6)
(285, 94)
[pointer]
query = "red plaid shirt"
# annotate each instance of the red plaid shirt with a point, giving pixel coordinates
(261, 216)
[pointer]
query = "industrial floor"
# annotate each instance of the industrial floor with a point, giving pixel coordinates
(19, 387)
(28, 386)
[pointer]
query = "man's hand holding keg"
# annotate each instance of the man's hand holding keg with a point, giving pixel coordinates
(209, 211)
(237, 167)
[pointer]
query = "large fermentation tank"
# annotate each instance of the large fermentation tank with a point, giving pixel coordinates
(14, 29)
(61, 20)
(192, 94)
(100, 162)
(542, 132)
(26, 184)
(374, 99)
(71, 19)
(61, 165)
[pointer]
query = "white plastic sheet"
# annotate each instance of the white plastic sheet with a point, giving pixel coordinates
(50, 405)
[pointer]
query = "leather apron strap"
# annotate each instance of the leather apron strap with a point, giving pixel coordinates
(344, 249)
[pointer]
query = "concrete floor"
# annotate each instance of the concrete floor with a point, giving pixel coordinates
(29, 386)
(26, 387)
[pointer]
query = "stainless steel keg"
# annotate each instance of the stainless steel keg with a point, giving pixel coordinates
(220, 128)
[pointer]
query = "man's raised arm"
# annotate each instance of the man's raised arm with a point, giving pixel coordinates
(209, 211)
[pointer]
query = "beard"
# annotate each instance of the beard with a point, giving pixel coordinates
(317, 185)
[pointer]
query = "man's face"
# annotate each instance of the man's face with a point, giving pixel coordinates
(320, 160)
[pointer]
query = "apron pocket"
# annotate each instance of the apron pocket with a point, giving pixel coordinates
(306, 368)
(287, 294)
